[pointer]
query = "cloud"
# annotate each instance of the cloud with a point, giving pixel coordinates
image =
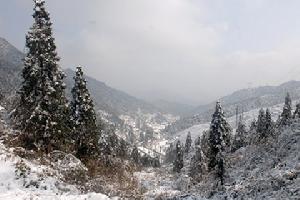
(146, 45)
(182, 50)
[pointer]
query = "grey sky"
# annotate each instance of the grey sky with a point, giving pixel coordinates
(190, 51)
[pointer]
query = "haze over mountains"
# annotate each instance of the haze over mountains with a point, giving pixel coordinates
(10, 67)
(117, 102)
(245, 100)
(140, 118)
(105, 97)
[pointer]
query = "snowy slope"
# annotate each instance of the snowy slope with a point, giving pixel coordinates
(36, 185)
(248, 117)
(265, 171)
(246, 100)
(22, 179)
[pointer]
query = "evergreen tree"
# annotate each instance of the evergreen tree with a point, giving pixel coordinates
(170, 153)
(135, 155)
(252, 132)
(131, 137)
(239, 139)
(42, 109)
(197, 141)
(178, 162)
(188, 143)
(261, 122)
(156, 162)
(84, 118)
(220, 167)
(142, 136)
(269, 130)
(253, 126)
(196, 167)
(1, 95)
(286, 115)
(219, 141)
(296, 114)
(122, 149)
(105, 141)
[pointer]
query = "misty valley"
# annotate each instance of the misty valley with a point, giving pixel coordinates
(67, 134)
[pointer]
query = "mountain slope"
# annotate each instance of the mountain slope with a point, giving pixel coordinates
(245, 100)
(11, 65)
(109, 99)
(106, 98)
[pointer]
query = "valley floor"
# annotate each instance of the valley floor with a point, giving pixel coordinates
(268, 171)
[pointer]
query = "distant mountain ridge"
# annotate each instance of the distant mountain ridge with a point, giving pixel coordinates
(110, 99)
(106, 98)
(244, 100)
(11, 65)
(174, 108)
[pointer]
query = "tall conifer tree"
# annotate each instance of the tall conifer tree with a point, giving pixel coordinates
(219, 141)
(269, 124)
(188, 143)
(84, 118)
(178, 162)
(239, 139)
(42, 108)
(286, 115)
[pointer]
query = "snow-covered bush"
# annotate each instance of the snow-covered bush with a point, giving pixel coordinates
(22, 171)
(69, 167)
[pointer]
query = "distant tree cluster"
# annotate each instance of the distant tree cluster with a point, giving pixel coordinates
(212, 148)
(142, 159)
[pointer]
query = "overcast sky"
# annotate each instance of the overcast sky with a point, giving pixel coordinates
(190, 51)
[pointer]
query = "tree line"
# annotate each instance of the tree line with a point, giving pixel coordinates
(211, 148)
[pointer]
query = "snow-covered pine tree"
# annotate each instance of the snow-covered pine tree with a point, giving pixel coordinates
(219, 141)
(1, 95)
(261, 122)
(122, 149)
(296, 114)
(270, 129)
(86, 133)
(197, 141)
(188, 143)
(170, 154)
(239, 139)
(156, 162)
(253, 126)
(251, 136)
(220, 167)
(286, 115)
(178, 162)
(196, 166)
(131, 138)
(135, 155)
(42, 111)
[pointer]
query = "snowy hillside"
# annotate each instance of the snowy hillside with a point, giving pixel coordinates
(245, 100)
(35, 183)
(248, 117)
(23, 179)
(268, 170)
(67, 136)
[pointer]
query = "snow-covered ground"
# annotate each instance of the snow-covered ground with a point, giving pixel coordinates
(35, 184)
(142, 122)
(268, 171)
(156, 182)
(255, 173)
(21, 179)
